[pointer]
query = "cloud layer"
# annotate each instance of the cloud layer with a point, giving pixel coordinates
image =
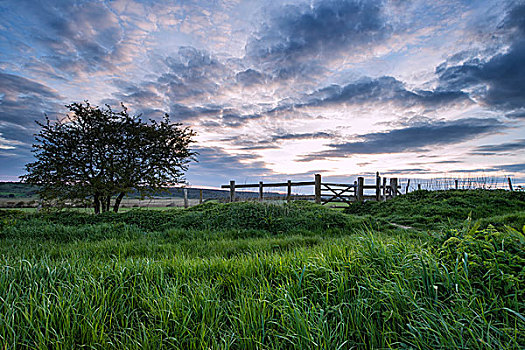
(413, 138)
(279, 88)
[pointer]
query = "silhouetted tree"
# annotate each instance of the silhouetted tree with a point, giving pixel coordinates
(100, 154)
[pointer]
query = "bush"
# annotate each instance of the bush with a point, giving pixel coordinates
(247, 219)
(491, 258)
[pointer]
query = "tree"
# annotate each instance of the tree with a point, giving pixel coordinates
(99, 154)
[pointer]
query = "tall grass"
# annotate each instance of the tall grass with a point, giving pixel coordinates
(122, 283)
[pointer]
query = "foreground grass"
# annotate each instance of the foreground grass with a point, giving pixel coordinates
(254, 276)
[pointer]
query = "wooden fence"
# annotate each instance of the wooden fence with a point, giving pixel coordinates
(327, 192)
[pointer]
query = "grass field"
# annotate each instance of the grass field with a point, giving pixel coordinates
(31, 204)
(252, 275)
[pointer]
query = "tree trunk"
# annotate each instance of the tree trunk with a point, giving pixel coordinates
(117, 201)
(108, 201)
(104, 203)
(96, 203)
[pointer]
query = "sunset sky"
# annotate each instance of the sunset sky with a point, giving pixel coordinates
(281, 90)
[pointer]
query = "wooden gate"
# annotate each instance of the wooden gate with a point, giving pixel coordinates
(338, 193)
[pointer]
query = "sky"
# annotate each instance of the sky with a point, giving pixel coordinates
(281, 90)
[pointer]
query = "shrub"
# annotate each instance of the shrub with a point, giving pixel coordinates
(489, 257)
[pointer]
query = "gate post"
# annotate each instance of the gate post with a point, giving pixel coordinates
(360, 189)
(378, 187)
(260, 191)
(289, 193)
(232, 191)
(393, 186)
(318, 188)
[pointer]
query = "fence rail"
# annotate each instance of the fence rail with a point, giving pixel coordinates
(278, 184)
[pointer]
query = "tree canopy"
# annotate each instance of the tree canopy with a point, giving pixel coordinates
(97, 154)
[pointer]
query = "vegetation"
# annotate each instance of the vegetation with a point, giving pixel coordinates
(251, 275)
(99, 154)
(440, 209)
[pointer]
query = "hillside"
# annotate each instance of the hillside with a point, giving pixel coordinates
(17, 190)
(440, 209)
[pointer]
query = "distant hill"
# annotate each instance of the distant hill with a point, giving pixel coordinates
(23, 190)
(194, 193)
(17, 190)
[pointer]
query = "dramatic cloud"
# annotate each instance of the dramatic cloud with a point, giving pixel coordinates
(363, 92)
(214, 163)
(381, 90)
(12, 85)
(500, 80)
(192, 73)
(518, 145)
(324, 28)
(250, 77)
(517, 114)
(22, 101)
(412, 138)
(519, 168)
(76, 37)
(304, 136)
(273, 142)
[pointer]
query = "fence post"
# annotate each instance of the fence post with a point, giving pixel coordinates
(318, 188)
(232, 191)
(261, 191)
(408, 185)
(360, 189)
(510, 184)
(396, 183)
(419, 187)
(289, 192)
(456, 183)
(185, 190)
(378, 187)
(393, 187)
(200, 196)
(384, 189)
